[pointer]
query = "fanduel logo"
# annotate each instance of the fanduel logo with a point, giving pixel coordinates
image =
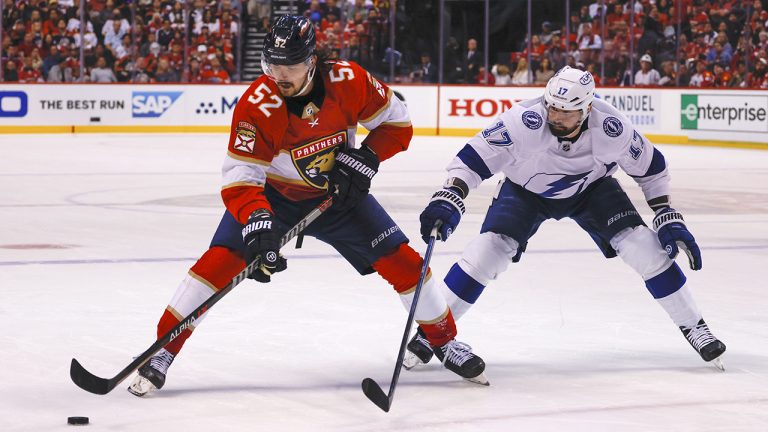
(152, 104)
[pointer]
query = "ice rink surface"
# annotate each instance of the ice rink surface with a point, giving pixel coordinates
(97, 231)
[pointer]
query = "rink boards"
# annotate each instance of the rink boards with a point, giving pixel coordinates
(721, 117)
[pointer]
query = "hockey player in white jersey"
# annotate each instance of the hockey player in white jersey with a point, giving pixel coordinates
(558, 153)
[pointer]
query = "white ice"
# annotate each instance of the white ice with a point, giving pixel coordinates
(98, 230)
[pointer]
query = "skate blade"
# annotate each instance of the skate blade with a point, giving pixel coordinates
(480, 379)
(718, 363)
(141, 387)
(411, 361)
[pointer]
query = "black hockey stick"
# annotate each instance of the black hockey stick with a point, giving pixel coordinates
(371, 389)
(91, 383)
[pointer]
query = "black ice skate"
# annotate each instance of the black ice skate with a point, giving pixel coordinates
(458, 358)
(705, 343)
(152, 374)
(419, 351)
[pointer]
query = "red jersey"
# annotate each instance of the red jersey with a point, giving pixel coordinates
(269, 144)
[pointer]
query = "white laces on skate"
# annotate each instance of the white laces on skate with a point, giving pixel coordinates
(457, 352)
(422, 340)
(700, 336)
(161, 361)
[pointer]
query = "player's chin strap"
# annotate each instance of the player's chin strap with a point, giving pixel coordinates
(310, 77)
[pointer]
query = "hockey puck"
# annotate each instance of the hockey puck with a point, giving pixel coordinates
(80, 421)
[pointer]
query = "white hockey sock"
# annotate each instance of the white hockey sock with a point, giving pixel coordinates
(458, 306)
(681, 307)
(191, 293)
(432, 304)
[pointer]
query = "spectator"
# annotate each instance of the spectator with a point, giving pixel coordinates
(647, 75)
(215, 74)
(556, 53)
(595, 75)
(49, 61)
(165, 34)
(452, 62)
(589, 44)
(546, 33)
(28, 74)
(719, 54)
(193, 72)
(544, 72)
(164, 73)
(101, 73)
(472, 62)
(501, 74)
(668, 74)
(537, 51)
(140, 73)
(700, 78)
(259, 9)
(358, 6)
(10, 73)
(522, 74)
(484, 78)
(426, 72)
(113, 34)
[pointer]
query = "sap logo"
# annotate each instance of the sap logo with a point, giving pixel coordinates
(153, 104)
(13, 104)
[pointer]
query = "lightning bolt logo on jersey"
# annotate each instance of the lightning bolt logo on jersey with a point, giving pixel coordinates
(518, 145)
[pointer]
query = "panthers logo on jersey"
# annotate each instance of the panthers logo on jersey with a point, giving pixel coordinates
(317, 158)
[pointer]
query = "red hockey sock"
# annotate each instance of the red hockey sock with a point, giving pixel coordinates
(401, 268)
(440, 332)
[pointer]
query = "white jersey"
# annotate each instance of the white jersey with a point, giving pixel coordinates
(519, 144)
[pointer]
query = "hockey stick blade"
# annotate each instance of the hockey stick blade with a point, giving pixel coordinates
(88, 381)
(101, 386)
(370, 388)
(376, 394)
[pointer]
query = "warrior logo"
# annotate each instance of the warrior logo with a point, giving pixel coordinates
(317, 158)
(245, 137)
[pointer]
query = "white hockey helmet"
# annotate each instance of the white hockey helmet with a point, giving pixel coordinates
(569, 90)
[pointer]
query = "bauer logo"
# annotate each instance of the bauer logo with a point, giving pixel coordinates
(152, 104)
(13, 104)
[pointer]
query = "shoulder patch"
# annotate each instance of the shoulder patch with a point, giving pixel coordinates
(612, 127)
(245, 137)
(532, 120)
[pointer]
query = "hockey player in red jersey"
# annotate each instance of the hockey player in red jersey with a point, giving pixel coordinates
(292, 142)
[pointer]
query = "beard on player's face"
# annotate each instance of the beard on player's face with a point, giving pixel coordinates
(563, 123)
(560, 130)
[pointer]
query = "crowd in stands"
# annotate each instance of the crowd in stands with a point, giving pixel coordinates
(701, 43)
(141, 41)
(356, 30)
(718, 43)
